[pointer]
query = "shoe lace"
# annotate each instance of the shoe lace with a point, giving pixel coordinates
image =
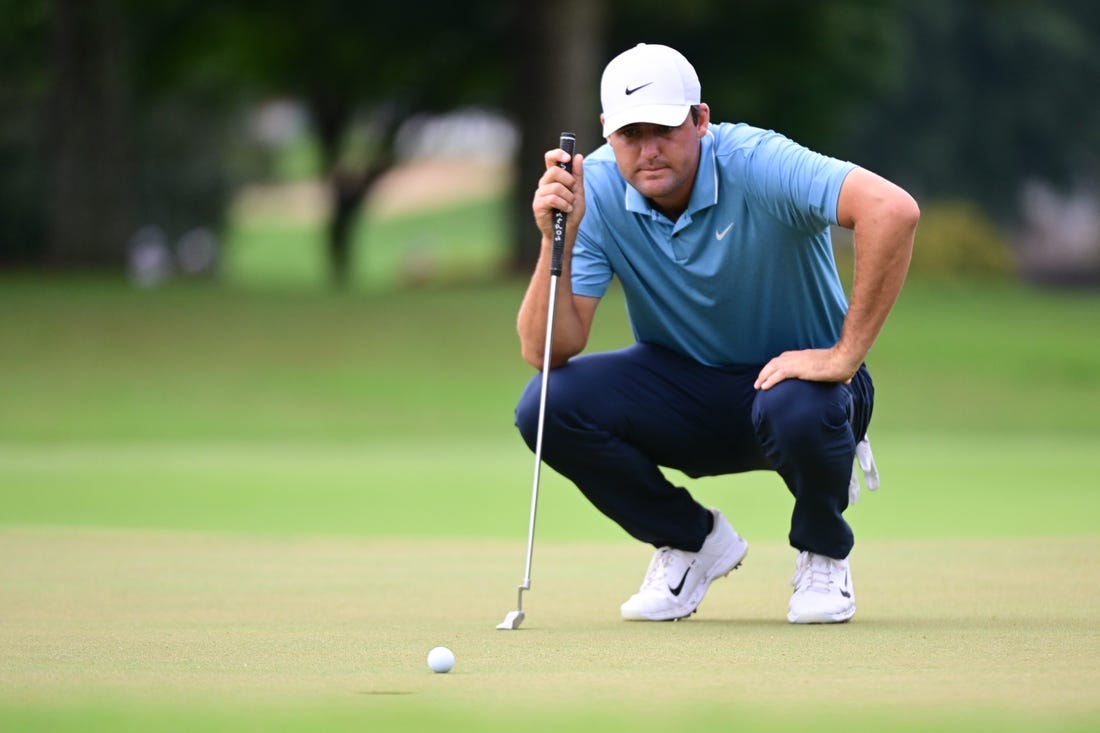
(658, 569)
(814, 573)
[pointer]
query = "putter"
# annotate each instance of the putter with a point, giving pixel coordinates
(515, 618)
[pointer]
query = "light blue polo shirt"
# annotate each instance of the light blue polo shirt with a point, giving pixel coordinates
(745, 273)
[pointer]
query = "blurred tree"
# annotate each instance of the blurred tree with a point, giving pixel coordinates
(88, 197)
(362, 69)
(796, 67)
(140, 95)
(98, 136)
(189, 146)
(557, 46)
(24, 46)
(963, 99)
(992, 93)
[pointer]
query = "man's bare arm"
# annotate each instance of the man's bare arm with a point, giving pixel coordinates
(558, 190)
(884, 220)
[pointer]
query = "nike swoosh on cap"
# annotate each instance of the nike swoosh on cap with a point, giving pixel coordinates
(630, 91)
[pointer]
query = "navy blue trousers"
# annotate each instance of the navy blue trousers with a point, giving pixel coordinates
(613, 419)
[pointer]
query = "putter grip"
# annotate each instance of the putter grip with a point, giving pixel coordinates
(568, 143)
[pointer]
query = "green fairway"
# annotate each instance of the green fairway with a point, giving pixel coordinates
(449, 243)
(952, 484)
(248, 509)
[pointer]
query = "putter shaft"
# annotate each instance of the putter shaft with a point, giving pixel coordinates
(515, 618)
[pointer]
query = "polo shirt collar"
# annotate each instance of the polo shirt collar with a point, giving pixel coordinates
(703, 194)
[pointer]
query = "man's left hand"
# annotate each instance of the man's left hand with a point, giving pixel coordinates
(812, 365)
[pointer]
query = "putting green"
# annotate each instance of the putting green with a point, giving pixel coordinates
(117, 625)
(229, 510)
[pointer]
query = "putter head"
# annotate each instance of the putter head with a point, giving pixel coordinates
(512, 621)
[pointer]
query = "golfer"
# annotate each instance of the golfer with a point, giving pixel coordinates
(747, 355)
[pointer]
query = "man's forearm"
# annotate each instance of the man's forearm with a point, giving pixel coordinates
(569, 337)
(883, 250)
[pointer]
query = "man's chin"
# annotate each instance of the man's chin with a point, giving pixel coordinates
(651, 185)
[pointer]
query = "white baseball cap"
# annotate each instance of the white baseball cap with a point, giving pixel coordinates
(649, 83)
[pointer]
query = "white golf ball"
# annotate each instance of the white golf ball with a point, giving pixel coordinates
(441, 659)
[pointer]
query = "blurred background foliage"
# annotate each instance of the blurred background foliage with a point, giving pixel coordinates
(128, 126)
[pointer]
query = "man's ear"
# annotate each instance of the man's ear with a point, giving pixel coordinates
(704, 118)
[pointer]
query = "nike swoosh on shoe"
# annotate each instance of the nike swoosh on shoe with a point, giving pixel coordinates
(676, 591)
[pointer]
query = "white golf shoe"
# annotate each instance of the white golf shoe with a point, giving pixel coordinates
(677, 580)
(822, 591)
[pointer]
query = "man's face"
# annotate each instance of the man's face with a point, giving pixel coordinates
(661, 161)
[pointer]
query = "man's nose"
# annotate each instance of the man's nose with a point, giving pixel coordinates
(649, 144)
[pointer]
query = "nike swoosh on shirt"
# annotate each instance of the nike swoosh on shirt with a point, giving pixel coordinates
(720, 235)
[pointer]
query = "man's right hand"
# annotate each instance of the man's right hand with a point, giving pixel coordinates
(560, 190)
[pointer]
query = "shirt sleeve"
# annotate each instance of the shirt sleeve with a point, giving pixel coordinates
(591, 270)
(797, 185)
